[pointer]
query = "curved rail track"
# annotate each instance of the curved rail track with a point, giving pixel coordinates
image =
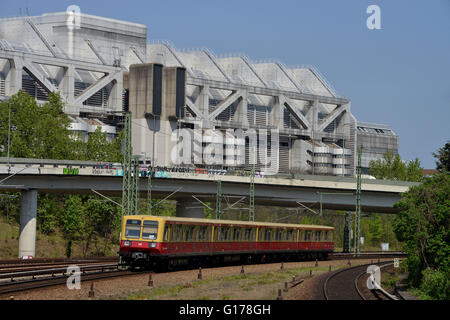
(349, 284)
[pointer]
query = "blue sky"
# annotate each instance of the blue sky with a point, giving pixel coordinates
(399, 75)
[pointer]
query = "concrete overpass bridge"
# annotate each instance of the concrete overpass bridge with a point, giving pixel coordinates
(31, 176)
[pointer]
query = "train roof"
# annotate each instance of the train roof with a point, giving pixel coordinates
(231, 222)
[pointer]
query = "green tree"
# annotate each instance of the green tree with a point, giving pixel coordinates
(37, 131)
(375, 230)
(103, 219)
(42, 131)
(47, 211)
(423, 225)
(392, 167)
(72, 217)
(443, 158)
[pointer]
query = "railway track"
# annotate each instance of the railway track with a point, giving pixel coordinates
(368, 255)
(26, 276)
(350, 284)
(27, 280)
(379, 294)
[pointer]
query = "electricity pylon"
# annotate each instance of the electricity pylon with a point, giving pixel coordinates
(130, 172)
(251, 212)
(219, 200)
(358, 203)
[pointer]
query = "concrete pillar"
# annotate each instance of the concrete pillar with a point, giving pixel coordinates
(115, 98)
(277, 112)
(203, 100)
(189, 208)
(28, 211)
(242, 109)
(14, 77)
(68, 90)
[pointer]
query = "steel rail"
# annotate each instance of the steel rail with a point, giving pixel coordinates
(334, 274)
(53, 271)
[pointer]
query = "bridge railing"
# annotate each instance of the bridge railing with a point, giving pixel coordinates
(70, 167)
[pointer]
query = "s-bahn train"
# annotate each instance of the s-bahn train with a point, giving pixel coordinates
(163, 243)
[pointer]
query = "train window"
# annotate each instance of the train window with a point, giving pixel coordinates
(308, 235)
(200, 233)
(133, 228)
(189, 233)
(267, 235)
(150, 230)
(194, 231)
(237, 233)
(208, 233)
(184, 233)
(278, 234)
(224, 234)
(325, 236)
(179, 232)
(247, 234)
(171, 232)
(205, 233)
(216, 233)
(289, 235)
(166, 233)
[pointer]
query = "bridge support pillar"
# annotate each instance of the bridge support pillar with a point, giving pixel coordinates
(189, 208)
(28, 212)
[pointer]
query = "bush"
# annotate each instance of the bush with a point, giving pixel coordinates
(423, 225)
(435, 284)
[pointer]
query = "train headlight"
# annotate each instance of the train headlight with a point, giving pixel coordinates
(127, 243)
(152, 245)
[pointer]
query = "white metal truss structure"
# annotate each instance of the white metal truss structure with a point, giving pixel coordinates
(316, 127)
(377, 139)
(85, 63)
(82, 62)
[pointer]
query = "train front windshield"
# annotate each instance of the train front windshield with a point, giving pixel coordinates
(133, 228)
(150, 230)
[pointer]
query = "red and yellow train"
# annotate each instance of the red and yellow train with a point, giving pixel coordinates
(165, 242)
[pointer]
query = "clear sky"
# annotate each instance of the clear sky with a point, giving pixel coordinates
(399, 75)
